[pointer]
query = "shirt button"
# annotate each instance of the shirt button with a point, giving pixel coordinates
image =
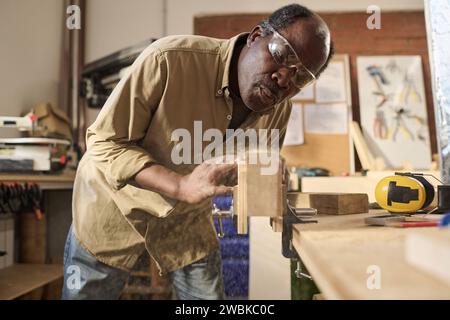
(219, 92)
(229, 117)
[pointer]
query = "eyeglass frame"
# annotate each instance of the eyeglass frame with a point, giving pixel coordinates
(276, 33)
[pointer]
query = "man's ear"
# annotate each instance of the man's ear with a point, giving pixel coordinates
(254, 34)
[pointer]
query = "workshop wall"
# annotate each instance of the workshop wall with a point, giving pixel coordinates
(180, 13)
(112, 25)
(30, 37)
(30, 56)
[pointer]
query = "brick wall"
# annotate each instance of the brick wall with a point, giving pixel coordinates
(401, 33)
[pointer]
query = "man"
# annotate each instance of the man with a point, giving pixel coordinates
(130, 196)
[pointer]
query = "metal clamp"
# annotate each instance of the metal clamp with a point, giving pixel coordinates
(294, 216)
(220, 214)
(299, 271)
(222, 207)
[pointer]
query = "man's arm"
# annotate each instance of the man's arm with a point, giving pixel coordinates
(112, 140)
(123, 121)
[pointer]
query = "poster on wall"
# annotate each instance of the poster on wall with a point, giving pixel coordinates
(331, 118)
(393, 109)
(294, 132)
(306, 93)
(331, 87)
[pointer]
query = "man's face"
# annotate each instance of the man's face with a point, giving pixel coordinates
(262, 81)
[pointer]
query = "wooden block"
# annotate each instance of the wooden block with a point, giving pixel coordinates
(429, 251)
(239, 210)
(331, 203)
(257, 194)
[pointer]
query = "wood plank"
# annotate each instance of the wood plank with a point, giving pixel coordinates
(339, 250)
(62, 181)
(20, 279)
(429, 250)
(66, 177)
(330, 203)
(364, 154)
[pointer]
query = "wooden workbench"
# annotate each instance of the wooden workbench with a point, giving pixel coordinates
(339, 250)
(20, 279)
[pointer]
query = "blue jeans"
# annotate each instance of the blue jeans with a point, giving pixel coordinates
(86, 278)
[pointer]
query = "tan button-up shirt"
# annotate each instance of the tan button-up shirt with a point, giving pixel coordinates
(176, 80)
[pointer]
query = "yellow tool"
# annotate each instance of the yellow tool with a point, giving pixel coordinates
(404, 193)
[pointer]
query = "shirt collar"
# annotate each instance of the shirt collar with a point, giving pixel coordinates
(225, 54)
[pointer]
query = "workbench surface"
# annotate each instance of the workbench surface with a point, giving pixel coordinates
(45, 181)
(20, 279)
(340, 251)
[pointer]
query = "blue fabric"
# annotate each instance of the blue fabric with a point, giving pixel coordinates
(97, 280)
(235, 254)
(235, 247)
(235, 275)
(223, 202)
(228, 227)
(85, 278)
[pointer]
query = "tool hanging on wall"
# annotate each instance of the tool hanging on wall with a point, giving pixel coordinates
(16, 197)
(407, 192)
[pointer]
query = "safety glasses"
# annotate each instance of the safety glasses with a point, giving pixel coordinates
(284, 55)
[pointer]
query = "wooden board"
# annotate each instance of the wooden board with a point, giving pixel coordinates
(62, 181)
(20, 279)
(339, 251)
(429, 250)
(330, 203)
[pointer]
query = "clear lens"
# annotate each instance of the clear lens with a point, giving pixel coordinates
(284, 55)
(302, 77)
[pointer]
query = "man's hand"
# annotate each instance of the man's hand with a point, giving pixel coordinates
(205, 182)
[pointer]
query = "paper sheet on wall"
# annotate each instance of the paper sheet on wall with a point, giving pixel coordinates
(330, 87)
(306, 93)
(326, 118)
(294, 132)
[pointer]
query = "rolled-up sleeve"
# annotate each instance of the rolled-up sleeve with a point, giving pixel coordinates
(113, 140)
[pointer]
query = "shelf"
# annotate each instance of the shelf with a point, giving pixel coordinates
(19, 279)
(45, 181)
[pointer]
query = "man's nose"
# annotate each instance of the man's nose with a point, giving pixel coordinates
(283, 77)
